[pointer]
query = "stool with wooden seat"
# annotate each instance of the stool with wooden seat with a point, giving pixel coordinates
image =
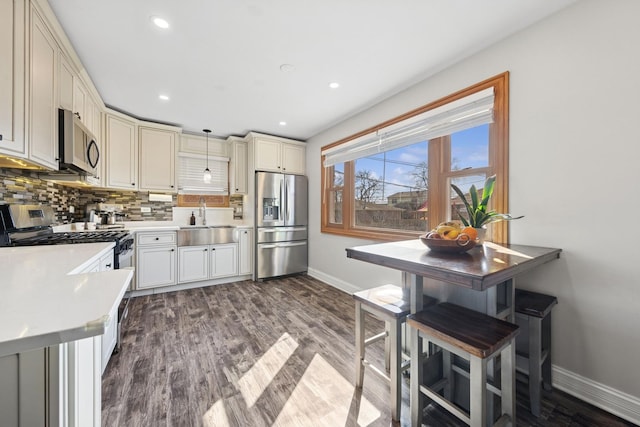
(533, 348)
(477, 338)
(390, 304)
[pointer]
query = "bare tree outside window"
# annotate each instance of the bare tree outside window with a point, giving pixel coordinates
(367, 186)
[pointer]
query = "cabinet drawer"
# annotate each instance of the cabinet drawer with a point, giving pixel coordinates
(159, 238)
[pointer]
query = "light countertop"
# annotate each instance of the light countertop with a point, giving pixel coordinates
(45, 301)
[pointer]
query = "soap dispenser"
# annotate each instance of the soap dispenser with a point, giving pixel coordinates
(192, 221)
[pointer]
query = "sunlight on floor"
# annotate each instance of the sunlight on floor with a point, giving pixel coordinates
(323, 397)
(255, 381)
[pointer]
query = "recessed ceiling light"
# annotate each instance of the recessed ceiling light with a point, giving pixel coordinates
(334, 85)
(163, 97)
(283, 123)
(286, 68)
(160, 22)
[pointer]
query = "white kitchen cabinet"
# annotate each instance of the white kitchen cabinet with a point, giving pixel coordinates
(239, 172)
(157, 159)
(12, 77)
(223, 260)
(278, 155)
(23, 389)
(43, 101)
(65, 83)
(156, 259)
(121, 152)
(84, 382)
(110, 336)
(245, 251)
(193, 263)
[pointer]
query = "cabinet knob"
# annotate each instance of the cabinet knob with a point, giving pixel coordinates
(0, 137)
(108, 265)
(173, 250)
(213, 249)
(205, 249)
(157, 238)
(133, 183)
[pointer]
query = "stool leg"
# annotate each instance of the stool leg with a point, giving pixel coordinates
(508, 381)
(546, 344)
(535, 355)
(359, 344)
(478, 392)
(396, 365)
(416, 398)
(388, 347)
(447, 373)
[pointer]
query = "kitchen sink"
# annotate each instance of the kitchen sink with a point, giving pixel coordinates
(206, 235)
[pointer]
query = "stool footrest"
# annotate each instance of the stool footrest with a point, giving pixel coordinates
(375, 369)
(453, 409)
(375, 338)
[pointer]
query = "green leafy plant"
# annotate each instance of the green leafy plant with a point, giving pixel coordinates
(477, 208)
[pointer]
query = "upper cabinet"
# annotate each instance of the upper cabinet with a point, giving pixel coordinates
(12, 73)
(239, 172)
(157, 159)
(278, 154)
(122, 152)
(43, 100)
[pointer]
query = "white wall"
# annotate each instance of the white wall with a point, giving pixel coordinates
(574, 156)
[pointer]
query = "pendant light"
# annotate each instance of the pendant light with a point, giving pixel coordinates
(206, 177)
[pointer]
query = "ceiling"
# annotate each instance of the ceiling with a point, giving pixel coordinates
(236, 66)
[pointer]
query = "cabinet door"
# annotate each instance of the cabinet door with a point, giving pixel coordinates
(245, 249)
(267, 155)
(193, 263)
(12, 77)
(65, 84)
(223, 260)
(157, 159)
(156, 266)
(239, 165)
(109, 339)
(80, 100)
(43, 111)
(122, 153)
(293, 158)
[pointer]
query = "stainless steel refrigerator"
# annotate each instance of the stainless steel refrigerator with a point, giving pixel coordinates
(281, 224)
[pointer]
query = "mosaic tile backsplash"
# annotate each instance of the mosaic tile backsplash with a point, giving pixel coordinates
(24, 187)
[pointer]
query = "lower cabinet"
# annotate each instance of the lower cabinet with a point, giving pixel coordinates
(193, 263)
(54, 386)
(223, 260)
(156, 259)
(197, 263)
(245, 251)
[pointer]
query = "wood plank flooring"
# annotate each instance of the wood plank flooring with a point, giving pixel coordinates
(276, 353)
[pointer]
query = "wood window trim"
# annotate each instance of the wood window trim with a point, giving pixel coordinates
(498, 164)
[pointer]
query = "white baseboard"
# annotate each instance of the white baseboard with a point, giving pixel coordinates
(604, 397)
(599, 395)
(333, 281)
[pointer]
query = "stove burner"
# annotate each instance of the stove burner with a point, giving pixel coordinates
(73, 237)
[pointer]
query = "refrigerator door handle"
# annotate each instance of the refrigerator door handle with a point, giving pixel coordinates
(285, 201)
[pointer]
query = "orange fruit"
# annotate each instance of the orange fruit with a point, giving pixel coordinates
(470, 231)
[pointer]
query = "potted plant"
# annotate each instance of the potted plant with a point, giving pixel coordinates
(477, 214)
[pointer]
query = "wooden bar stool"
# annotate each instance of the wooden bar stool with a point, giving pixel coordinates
(533, 348)
(390, 304)
(477, 338)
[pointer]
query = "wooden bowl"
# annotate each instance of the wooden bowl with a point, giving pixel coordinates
(456, 246)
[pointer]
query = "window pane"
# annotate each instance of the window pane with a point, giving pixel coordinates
(464, 183)
(338, 175)
(391, 189)
(335, 207)
(470, 148)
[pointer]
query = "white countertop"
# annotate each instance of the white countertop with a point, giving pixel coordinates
(42, 301)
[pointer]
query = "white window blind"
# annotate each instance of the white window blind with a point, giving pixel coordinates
(464, 113)
(191, 168)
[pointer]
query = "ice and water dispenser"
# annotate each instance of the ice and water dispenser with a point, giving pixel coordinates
(270, 209)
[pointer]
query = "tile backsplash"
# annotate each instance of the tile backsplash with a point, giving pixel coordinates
(24, 187)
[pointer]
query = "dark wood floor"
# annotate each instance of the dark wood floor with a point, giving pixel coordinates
(276, 353)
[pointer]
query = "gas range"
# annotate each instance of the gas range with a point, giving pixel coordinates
(31, 225)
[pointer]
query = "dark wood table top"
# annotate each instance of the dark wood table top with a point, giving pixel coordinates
(480, 268)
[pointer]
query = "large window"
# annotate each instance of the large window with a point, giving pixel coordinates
(393, 181)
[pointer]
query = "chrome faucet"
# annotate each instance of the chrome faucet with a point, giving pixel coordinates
(203, 211)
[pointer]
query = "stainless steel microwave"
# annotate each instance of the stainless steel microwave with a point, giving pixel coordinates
(79, 151)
